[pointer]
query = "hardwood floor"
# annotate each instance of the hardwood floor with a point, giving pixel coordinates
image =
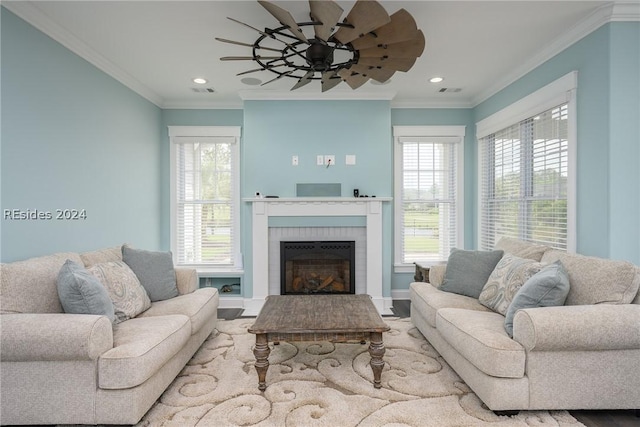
(628, 418)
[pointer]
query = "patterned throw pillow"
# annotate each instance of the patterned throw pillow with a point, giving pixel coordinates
(128, 296)
(506, 279)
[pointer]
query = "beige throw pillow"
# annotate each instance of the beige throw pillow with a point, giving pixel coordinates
(127, 294)
(506, 279)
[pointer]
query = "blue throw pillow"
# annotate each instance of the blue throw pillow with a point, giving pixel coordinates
(154, 271)
(468, 271)
(81, 293)
(547, 288)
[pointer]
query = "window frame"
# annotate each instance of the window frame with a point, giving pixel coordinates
(434, 132)
(560, 91)
(207, 131)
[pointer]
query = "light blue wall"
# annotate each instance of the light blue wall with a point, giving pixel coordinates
(274, 131)
(624, 143)
(73, 138)
(608, 111)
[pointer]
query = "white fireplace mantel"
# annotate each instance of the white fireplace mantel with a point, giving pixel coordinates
(369, 207)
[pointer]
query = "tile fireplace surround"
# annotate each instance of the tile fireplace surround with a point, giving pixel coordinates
(263, 209)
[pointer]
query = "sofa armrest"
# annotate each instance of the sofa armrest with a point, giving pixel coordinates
(436, 274)
(187, 280)
(45, 337)
(578, 327)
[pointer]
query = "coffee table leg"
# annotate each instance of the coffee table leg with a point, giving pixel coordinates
(261, 352)
(376, 350)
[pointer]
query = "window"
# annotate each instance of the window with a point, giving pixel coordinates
(428, 193)
(205, 196)
(526, 182)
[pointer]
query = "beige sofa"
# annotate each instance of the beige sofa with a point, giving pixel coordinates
(59, 368)
(582, 355)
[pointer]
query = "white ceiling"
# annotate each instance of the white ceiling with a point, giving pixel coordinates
(157, 47)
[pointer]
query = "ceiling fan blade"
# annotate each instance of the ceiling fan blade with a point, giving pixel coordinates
(278, 78)
(353, 79)
(285, 18)
(304, 80)
(247, 58)
(327, 12)
(398, 64)
(378, 74)
(249, 26)
(246, 44)
(407, 49)
(330, 80)
(365, 16)
(401, 28)
(260, 69)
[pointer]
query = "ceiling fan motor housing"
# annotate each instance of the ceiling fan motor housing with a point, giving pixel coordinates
(319, 55)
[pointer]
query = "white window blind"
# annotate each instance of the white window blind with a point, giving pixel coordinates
(205, 203)
(428, 197)
(524, 181)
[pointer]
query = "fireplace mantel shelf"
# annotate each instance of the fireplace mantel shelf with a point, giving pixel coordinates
(317, 199)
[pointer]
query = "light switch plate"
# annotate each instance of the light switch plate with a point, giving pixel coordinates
(350, 159)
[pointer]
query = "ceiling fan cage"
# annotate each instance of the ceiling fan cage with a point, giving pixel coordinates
(299, 49)
(368, 44)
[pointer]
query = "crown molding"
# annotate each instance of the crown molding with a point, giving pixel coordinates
(226, 104)
(431, 103)
(268, 95)
(616, 11)
(31, 14)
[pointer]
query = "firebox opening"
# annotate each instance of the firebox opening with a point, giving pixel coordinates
(325, 267)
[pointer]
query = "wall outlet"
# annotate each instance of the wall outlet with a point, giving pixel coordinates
(329, 159)
(319, 160)
(294, 160)
(350, 159)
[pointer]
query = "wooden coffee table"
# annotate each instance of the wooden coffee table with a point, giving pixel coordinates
(334, 318)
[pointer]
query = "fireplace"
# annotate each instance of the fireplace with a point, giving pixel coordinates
(317, 267)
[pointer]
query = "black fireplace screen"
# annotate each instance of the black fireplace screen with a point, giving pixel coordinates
(325, 267)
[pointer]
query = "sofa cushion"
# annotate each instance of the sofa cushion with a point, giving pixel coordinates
(481, 339)
(128, 296)
(506, 279)
(101, 256)
(200, 306)
(548, 288)
(81, 292)
(521, 248)
(428, 300)
(140, 347)
(597, 280)
(30, 286)
(468, 271)
(154, 270)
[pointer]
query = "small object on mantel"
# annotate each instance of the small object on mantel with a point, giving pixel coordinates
(271, 197)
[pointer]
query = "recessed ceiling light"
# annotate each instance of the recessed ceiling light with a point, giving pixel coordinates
(200, 80)
(436, 79)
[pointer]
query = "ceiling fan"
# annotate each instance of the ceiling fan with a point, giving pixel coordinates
(368, 44)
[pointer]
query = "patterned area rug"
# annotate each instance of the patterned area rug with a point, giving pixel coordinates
(324, 384)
